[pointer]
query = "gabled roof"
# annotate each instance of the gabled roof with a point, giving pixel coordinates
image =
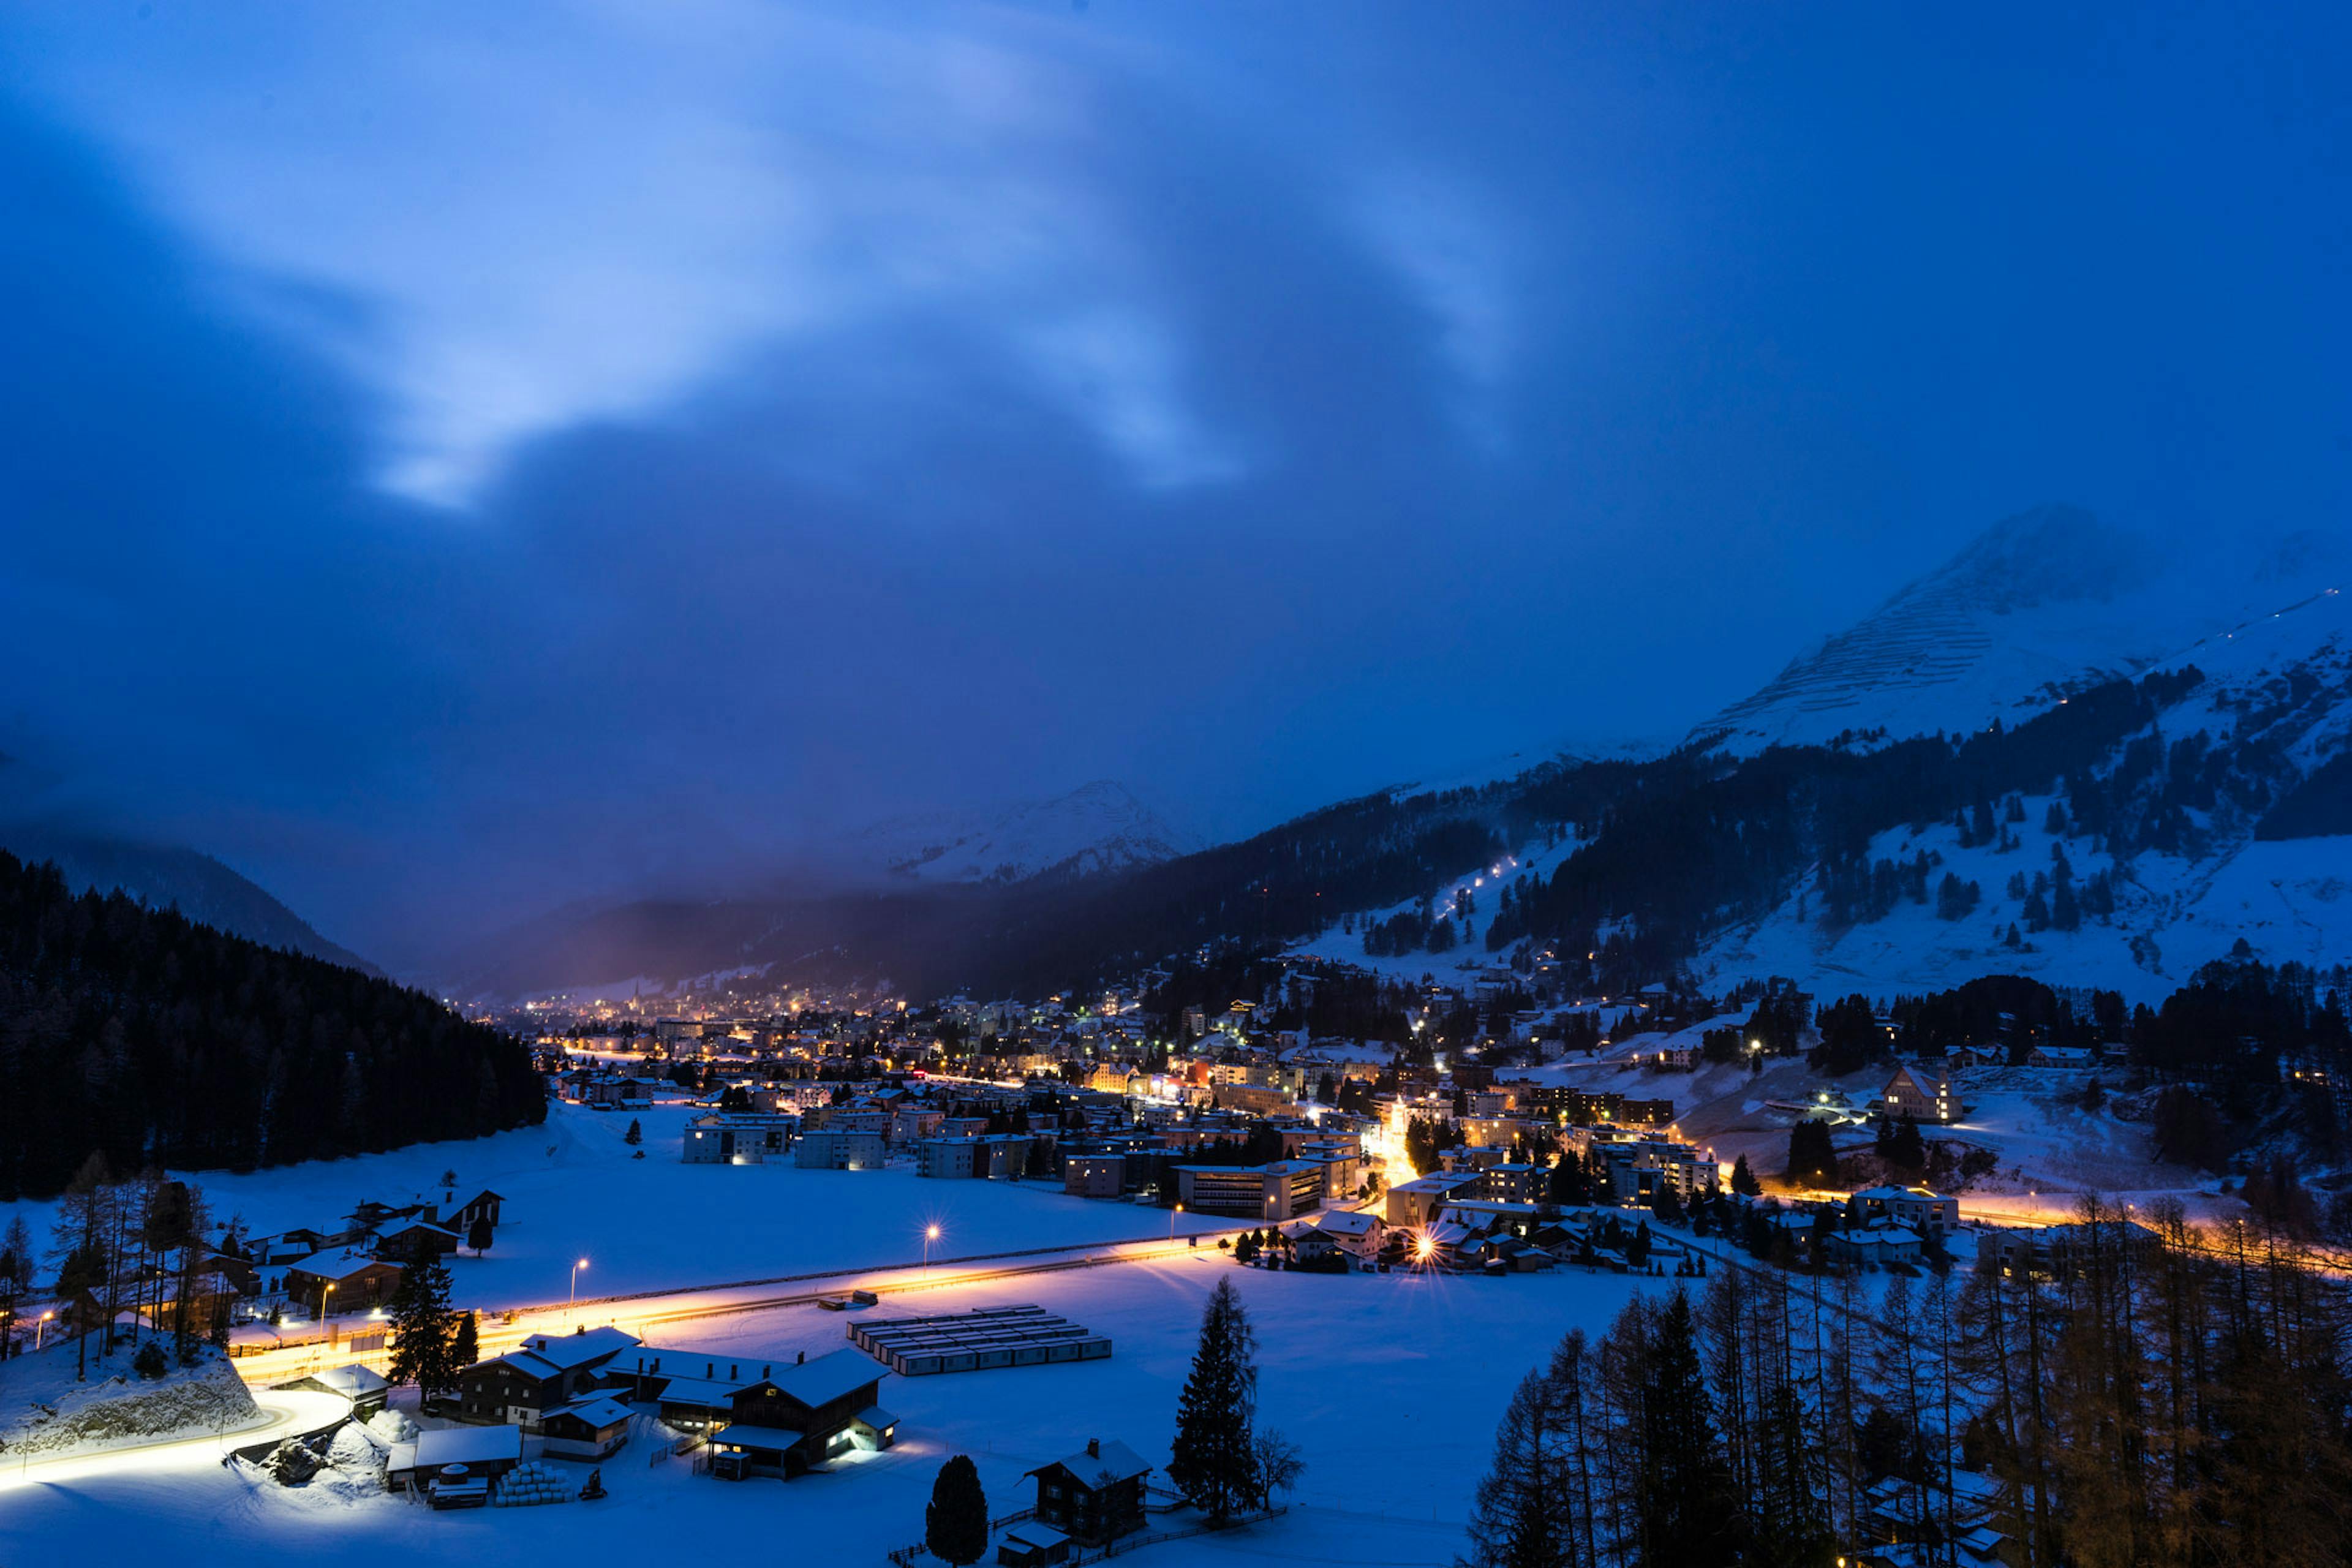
(566, 1351)
(829, 1377)
(1108, 1465)
(602, 1411)
(348, 1381)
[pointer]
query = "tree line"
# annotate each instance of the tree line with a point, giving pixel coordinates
(152, 1040)
(2143, 1396)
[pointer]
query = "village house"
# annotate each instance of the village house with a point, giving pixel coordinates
(591, 1429)
(546, 1372)
(1093, 1497)
(343, 1284)
(455, 1466)
(788, 1425)
(738, 1137)
(1906, 1095)
(367, 1391)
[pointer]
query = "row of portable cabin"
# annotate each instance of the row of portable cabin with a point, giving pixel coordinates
(977, 1340)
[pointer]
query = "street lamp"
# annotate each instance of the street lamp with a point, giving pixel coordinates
(326, 1288)
(1172, 1220)
(42, 1331)
(573, 1304)
(930, 1234)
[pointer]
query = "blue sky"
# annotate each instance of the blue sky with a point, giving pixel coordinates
(459, 458)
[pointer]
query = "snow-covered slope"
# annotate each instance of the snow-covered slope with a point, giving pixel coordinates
(2276, 699)
(1095, 828)
(2044, 604)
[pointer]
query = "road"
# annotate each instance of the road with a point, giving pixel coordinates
(282, 1413)
(642, 1312)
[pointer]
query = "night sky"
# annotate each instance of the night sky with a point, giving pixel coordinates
(458, 459)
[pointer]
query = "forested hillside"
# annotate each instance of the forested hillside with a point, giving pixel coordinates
(142, 1036)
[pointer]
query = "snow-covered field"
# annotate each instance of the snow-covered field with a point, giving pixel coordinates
(1390, 1384)
(573, 1191)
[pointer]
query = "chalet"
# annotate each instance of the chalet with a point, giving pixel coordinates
(345, 1284)
(545, 1374)
(1906, 1094)
(1094, 1497)
(2061, 1058)
(460, 1217)
(591, 1429)
(415, 1239)
(366, 1390)
(786, 1425)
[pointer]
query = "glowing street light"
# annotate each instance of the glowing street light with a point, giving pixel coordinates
(930, 1234)
(1172, 1220)
(572, 1305)
(42, 1331)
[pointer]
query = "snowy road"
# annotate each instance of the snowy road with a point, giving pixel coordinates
(643, 1312)
(283, 1413)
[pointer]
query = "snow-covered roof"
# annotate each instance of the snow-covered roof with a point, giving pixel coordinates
(566, 1351)
(875, 1416)
(468, 1445)
(829, 1377)
(1342, 1222)
(1035, 1537)
(349, 1381)
(602, 1411)
(742, 1435)
(1100, 1465)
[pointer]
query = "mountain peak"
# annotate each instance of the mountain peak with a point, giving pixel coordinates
(2041, 604)
(1099, 826)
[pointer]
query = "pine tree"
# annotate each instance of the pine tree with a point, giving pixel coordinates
(635, 1135)
(1743, 1180)
(466, 1344)
(478, 1235)
(424, 1329)
(1210, 1461)
(955, 1525)
(1684, 1509)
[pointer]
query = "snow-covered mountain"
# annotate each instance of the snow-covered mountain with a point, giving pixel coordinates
(2045, 603)
(1096, 828)
(2041, 608)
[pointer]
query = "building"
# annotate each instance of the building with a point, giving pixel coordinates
(1093, 1497)
(2067, 1057)
(1411, 1205)
(546, 1372)
(832, 1148)
(477, 1457)
(1907, 1095)
(791, 1423)
(342, 1284)
(738, 1137)
(1916, 1208)
(587, 1429)
(1094, 1175)
(1278, 1191)
(1874, 1249)
(2051, 1249)
(366, 1390)
(1002, 1156)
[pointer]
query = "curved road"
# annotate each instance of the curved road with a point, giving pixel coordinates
(282, 1412)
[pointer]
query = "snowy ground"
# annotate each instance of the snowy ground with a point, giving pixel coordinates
(573, 1191)
(1390, 1384)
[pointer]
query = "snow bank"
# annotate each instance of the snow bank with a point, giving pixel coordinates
(49, 1415)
